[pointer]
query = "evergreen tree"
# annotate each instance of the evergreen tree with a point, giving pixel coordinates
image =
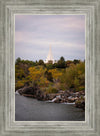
(61, 63)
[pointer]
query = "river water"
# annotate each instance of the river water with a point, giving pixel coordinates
(29, 109)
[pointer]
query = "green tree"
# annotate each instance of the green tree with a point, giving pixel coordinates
(48, 75)
(49, 66)
(61, 63)
(76, 61)
(41, 62)
(18, 60)
(69, 63)
(74, 77)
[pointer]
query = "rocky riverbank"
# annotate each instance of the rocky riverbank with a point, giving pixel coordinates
(61, 97)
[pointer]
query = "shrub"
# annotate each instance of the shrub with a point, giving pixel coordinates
(81, 88)
(74, 77)
(51, 90)
(19, 84)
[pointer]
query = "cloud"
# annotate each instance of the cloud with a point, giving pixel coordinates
(36, 22)
(34, 34)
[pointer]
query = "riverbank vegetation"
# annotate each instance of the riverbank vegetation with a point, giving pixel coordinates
(50, 78)
(60, 82)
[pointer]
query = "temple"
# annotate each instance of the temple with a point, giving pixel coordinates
(49, 58)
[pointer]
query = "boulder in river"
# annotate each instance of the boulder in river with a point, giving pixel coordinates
(26, 90)
(80, 103)
(60, 97)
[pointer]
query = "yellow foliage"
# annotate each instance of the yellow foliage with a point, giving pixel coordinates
(19, 84)
(74, 76)
(35, 73)
(55, 73)
(43, 82)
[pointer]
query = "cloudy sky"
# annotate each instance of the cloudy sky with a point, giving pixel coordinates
(64, 33)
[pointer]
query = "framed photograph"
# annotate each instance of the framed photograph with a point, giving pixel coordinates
(49, 75)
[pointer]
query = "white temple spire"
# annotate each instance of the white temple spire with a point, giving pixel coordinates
(50, 56)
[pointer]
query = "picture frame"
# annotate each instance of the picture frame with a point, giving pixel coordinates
(8, 125)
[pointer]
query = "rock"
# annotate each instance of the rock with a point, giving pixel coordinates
(31, 92)
(71, 99)
(26, 90)
(80, 103)
(51, 96)
(61, 92)
(60, 97)
(35, 93)
(76, 98)
(40, 95)
(57, 100)
(19, 91)
(28, 95)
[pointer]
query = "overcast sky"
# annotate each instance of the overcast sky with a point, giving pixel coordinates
(35, 33)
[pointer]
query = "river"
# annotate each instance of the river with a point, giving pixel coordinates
(29, 109)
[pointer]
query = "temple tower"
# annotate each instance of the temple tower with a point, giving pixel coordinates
(49, 58)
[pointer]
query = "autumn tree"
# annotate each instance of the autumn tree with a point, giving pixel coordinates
(43, 82)
(48, 75)
(74, 77)
(55, 74)
(35, 74)
(68, 63)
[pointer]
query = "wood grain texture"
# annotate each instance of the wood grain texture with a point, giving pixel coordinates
(89, 127)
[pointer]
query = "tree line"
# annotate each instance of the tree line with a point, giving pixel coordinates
(50, 78)
(61, 63)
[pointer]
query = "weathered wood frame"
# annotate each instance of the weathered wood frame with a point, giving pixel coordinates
(8, 125)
